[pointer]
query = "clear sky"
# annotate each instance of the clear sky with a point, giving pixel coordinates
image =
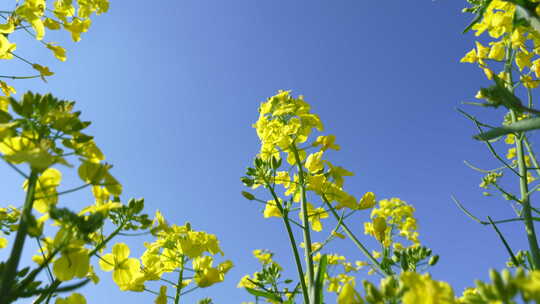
(172, 88)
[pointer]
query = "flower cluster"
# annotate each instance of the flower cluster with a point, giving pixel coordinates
(284, 128)
(170, 253)
(393, 216)
(40, 15)
(43, 134)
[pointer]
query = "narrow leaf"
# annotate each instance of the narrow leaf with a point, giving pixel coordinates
(519, 126)
(319, 279)
(264, 294)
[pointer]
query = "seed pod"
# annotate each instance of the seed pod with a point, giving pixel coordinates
(498, 284)
(248, 195)
(372, 294)
(388, 287)
(433, 260)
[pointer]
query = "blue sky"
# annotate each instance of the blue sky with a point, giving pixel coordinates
(173, 88)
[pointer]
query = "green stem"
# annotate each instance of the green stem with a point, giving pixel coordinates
(305, 221)
(525, 200)
(356, 241)
(531, 154)
(10, 270)
(293, 245)
(179, 285)
(523, 184)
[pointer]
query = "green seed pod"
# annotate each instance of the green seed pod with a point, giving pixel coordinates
(405, 263)
(388, 287)
(372, 294)
(248, 182)
(486, 291)
(498, 284)
(520, 273)
(248, 195)
(506, 276)
(433, 260)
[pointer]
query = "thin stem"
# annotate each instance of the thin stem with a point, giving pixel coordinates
(64, 192)
(510, 251)
(292, 241)
(488, 144)
(189, 290)
(15, 168)
(482, 170)
(179, 285)
(532, 156)
(356, 241)
(10, 269)
(22, 59)
(156, 293)
(305, 220)
(525, 200)
(523, 183)
(49, 272)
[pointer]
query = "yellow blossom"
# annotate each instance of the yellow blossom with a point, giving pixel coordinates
(272, 209)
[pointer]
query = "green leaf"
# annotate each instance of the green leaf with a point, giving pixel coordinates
(5, 117)
(519, 126)
(319, 279)
(264, 294)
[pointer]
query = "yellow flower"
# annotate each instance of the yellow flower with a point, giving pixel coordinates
(482, 52)
(283, 178)
(529, 82)
(7, 28)
(488, 73)
(423, 290)
(497, 51)
(6, 47)
(6, 89)
(74, 298)
(348, 295)
(337, 173)
(51, 24)
(74, 262)
(264, 256)
(58, 51)
(314, 216)
(379, 228)
(43, 71)
(367, 201)
(246, 282)
(511, 153)
(162, 297)
(326, 142)
(470, 57)
(46, 194)
(510, 139)
(124, 268)
(32, 11)
(208, 277)
(272, 209)
(77, 27)
(314, 162)
(523, 59)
